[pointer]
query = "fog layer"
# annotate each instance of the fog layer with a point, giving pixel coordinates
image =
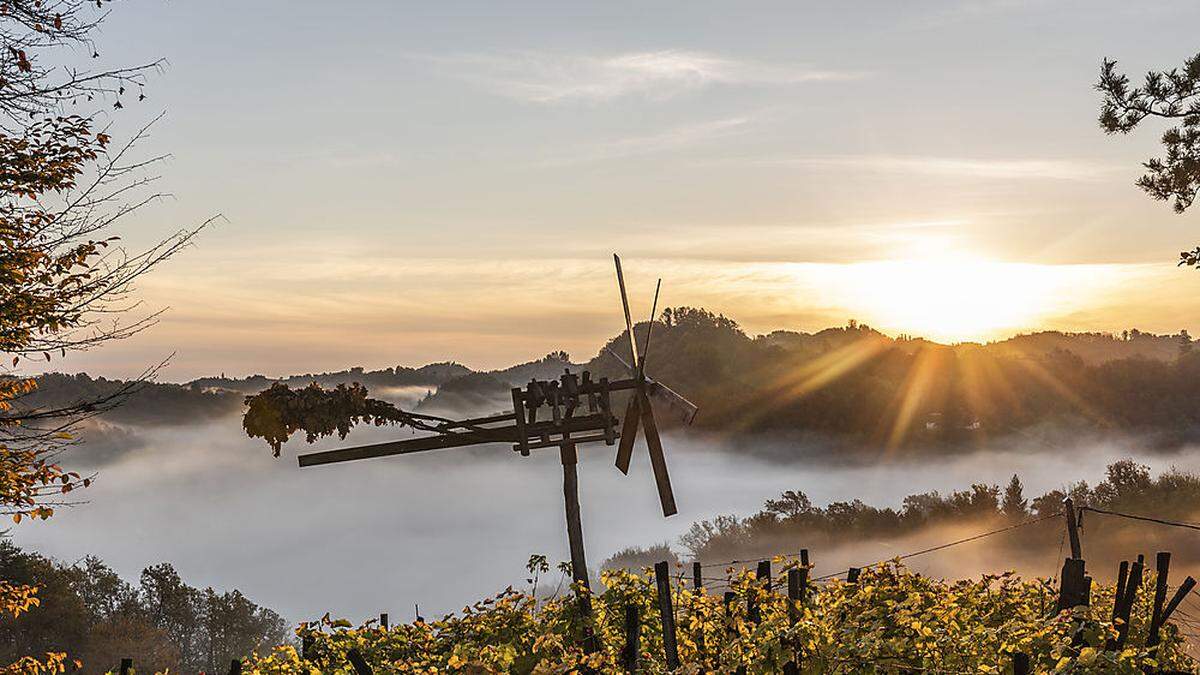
(445, 528)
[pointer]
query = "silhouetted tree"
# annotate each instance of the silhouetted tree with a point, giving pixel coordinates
(1172, 95)
(1015, 505)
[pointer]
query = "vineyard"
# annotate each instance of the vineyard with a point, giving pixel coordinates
(887, 620)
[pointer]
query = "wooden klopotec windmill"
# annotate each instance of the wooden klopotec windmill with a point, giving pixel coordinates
(578, 410)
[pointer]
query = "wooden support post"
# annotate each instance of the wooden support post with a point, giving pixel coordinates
(633, 634)
(1021, 664)
(763, 574)
(235, 667)
(794, 600)
(579, 571)
(1180, 593)
(1072, 527)
(383, 621)
(1162, 568)
(1131, 588)
(804, 568)
(1122, 578)
(852, 575)
(698, 586)
(360, 664)
(126, 666)
(306, 647)
(1074, 587)
(662, 578)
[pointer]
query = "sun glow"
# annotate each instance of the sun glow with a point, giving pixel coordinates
(955, 299)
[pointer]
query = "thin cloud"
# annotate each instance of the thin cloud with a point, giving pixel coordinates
(671, 139)
(539, 77)
(1056, 169)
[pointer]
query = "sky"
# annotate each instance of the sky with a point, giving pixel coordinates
(401, 183)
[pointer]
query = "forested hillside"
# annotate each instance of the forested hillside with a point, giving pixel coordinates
(851, 386)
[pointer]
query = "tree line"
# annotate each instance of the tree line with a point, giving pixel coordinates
(95, 616)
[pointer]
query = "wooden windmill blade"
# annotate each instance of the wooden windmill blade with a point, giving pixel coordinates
(658, 460)
(629, 429)
(639, 411)
(625, 303)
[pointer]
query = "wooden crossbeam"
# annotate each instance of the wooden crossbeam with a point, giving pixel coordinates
(505, 434)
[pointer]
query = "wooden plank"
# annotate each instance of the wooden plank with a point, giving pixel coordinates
(507, 434)
(666, 613)
(658, 460)
(697, 576)
(629, 428)
(383, 621)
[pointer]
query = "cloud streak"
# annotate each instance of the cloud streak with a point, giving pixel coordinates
(539, 77)
(674, 138)
(1055, 169)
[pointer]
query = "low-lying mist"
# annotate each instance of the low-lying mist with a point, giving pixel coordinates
(442, 529)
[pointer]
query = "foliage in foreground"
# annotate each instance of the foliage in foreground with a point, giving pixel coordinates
(891, 620)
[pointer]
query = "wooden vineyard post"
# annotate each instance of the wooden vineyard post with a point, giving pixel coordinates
(794, 601)
(235, 667)
(306, 647)
(1132, 584)
(1162, 564)
(662, 578)
(852, 575)
(1072, 527)
(730, 601)
(804, 567)
(1020, 663)
(697, 587)
(383, 621)
(360, 664)
(763, 574)
(1180, 593)
(579, 571)
(1074, 586)
(126, 666)
(1122, 578)
(763, 578)
(633, 634)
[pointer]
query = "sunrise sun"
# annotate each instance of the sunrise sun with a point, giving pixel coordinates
(954, 299)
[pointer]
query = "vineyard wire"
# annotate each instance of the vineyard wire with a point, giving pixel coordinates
(1149, 519)
(933, 549)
